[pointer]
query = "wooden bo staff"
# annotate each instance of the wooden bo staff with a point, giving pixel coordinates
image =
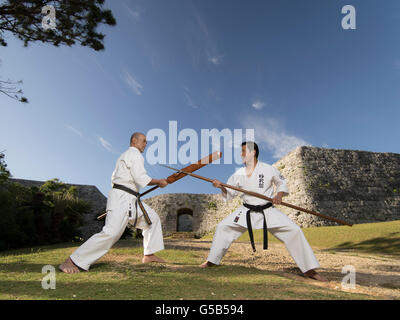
(176, 176)
(261, 196)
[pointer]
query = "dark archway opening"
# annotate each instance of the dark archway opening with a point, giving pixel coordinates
(184, 220)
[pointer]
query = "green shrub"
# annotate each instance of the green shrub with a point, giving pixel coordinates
(32, 216)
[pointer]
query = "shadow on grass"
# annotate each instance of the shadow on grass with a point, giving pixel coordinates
(380, 245)
(168, 243)
(123, 243)
(38, 249)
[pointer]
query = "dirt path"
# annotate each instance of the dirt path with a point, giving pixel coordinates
(378, 276)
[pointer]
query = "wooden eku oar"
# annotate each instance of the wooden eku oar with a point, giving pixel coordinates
(177, 176)
(261, 196)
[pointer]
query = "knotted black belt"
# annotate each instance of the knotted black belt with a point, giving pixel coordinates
(259, 209)
(138, 202)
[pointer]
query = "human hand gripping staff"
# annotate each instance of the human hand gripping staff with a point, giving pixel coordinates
(177, 176)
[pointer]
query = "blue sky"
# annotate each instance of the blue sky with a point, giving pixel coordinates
(286, 69)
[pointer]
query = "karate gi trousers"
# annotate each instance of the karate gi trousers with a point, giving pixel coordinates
(280, 225)
(118, 205)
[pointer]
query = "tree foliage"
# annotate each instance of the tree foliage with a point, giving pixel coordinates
(9, 88)
(31, 216)
(4, 173)
(76, 21)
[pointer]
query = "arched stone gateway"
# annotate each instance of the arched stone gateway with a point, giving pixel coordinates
(190, 213)
(184, 220)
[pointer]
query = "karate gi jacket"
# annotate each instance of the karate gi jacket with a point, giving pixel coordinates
(262, 180)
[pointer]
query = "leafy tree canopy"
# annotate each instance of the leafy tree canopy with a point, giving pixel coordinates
(75, 21)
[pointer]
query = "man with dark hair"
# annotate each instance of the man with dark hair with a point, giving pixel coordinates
(252, 146)
(256, 213)
(124, 206)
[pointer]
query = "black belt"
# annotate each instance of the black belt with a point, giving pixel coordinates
(137, 195)
(259, 209)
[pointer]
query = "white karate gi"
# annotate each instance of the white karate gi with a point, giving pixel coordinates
(130, 172)
(280, 225)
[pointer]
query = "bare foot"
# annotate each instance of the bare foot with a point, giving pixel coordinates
(69, 266)
(207, 264)
(152, 258)
(312, 274)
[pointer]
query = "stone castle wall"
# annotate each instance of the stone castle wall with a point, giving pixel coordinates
(207, 210)
(355, 186)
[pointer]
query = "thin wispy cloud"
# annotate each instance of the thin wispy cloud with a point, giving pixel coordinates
(131, 81)
(135, 14)
(216, 60)
(187, 97)
(270, 134)
(258, 105)
(397, 64)
(74, 130)
(92, 140)
(237, 139)
(201, 43)
(105, 144)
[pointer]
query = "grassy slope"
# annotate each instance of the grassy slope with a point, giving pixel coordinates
(376, 238)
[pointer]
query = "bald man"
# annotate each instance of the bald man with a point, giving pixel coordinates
(127, 179)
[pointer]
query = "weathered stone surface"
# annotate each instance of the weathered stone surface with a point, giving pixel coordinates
(207, 210)
(355, 186)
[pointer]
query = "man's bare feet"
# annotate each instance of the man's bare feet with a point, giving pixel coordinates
(207, 264)
(69, 266)
(152, 258)
(312, 274)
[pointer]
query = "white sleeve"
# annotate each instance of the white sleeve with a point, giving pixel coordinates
(138, 171)
(230, 192)
(279, 181)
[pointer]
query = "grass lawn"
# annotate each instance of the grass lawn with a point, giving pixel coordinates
(375, 238)
(121, 275)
